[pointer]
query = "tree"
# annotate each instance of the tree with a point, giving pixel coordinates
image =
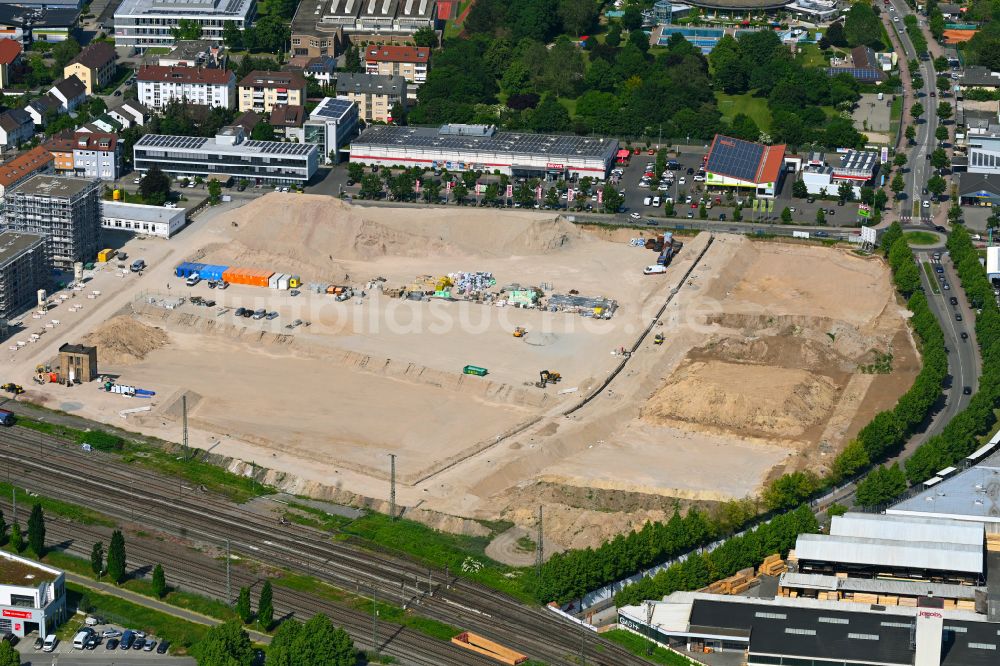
(941, 133)
(352, 59)
(355, 171)
(632, 19)
(243, 609)
(862, 27)
(881, 485)
(159, 582)
(550, 116)
(939, 159)
(936, 185)
(944, 110)
(315, 642)
(577, 16)
(186, 29)
(265, 606)
(97, 559)
(226, 644)
(892, 234)
(789, 490)
(262, 132)
(214, 192)
(880, 199)
(426, 36)
(897, 185)
(460, 192)
(552, 197)
(3, 528)
(786, 215)
(799, 189)
(116, 557)
(611, 199)
(371, 186)
(36, 530)
(16, 540)
(899, 159)
(232, 36)
(65, 51)
(8, 655)
(916, 110)
(154, 187)
(820, 216)
(835, 34)
(910, 133)
(845, 191)
(702, 211)
(836, 509)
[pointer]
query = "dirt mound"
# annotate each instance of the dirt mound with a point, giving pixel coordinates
(313, 235)
(749, 399)
(123, 340)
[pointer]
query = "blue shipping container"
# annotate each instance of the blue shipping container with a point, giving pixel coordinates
(212, 272)
(188, 268)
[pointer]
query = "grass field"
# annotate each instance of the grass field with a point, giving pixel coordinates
(755, 107)
(920, 238)
(642, 647)
(810, 55)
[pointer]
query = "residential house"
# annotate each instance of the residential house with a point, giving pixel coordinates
(10, 54)
(130, 113)
(23, 167)
(410, 62)
(260, 91)
(40, 107)
(158, 85)
(16, 127)
(375, 94)
(979, 77)
(71, 93)
(101, 124)
(60, 148)
(94, 66)
(247, 121)
(97, 156)
(321, 69)
(287, 121)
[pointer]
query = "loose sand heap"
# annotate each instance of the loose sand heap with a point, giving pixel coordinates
(319, 237)
(123, 340)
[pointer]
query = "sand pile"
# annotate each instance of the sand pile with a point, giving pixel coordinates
(747, 399)
(315, 235)
(124, 340)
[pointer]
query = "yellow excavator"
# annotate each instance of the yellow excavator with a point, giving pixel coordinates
(548, 377)
(658, 340)
(520, 331)
(11, 387)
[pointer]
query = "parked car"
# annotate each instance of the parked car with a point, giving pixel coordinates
(635, 216)
(271, 315)
(162, 647)
(38, 644)
(240, 311)
(260, 313)
(50, 642)
(111, 644)
(247, 313)
(148, 647)
(139, 643)
(111, 633)
(222, 285)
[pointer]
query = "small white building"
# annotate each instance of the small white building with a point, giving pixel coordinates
(993, 262)
(32, 596)
(142, 219)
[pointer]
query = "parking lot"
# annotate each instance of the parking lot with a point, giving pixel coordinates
(103, 645)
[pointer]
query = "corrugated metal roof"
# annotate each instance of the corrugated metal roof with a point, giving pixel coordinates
(906, 528)
(877, 586)
(963, 558)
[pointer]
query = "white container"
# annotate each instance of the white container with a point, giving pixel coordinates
(283, 281)
(272, 282)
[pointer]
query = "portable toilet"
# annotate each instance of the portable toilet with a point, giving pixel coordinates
(294, 282)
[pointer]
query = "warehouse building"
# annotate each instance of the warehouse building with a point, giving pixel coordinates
(979, 189)
(228, 154)
(744, 164)
(67, 211)
(24, 269)
(881, 591)
(142, 219)
(32, 596)
(805, 632)
(483, 148)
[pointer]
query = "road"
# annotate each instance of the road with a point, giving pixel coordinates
(158, 503)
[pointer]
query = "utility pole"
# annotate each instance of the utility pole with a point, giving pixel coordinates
(540, 548)
(649, 627)
(184, 410)
(392, 485)
(375, 621)
(13, 501)
(229, 579)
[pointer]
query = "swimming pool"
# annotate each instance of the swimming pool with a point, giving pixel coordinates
(704, 38)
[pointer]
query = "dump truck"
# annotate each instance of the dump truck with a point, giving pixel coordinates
(106, 255)
(485, 646)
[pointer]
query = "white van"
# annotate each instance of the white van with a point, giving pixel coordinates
(656, 201)
(50, 643)
(646, 201)
(655, 269)
(81, 638)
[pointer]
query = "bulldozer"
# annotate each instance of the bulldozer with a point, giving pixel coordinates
(520, 331)
(658, 339)
(548, 377)
(11, 387)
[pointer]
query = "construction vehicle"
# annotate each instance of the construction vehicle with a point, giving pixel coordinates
(658, 340)
(519, 332)
(11, 387)
(475, 370)
(548, 377)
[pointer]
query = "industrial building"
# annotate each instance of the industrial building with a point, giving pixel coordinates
(228, 154)
(331, 126)
(893, 546)
(979, 189)
(483, 148)
(855, 167)
(141, 24)
(142, 219)
(32, 596)
(806, 632)
(65, 210)
(744, 164)
(880, 591)
(24, 269)
(50, 23)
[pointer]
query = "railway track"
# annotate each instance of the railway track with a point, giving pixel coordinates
(131, 493)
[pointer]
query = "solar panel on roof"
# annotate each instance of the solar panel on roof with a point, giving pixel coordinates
(735, 158)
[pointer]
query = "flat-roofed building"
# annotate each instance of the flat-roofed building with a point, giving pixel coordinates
(32, 596)
(67, 211)
(228, 154)
(24, 269)
(142, 24)
(321, 27)
(24, 166)
(331, 126)
(142, 219)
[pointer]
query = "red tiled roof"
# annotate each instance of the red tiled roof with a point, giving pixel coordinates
(387, 53)
(95, 141)
(770, 164)
(17, 168)
(9, 50)
(185, 75)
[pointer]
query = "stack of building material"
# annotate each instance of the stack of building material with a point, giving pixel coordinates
(738, 582)
(773, 565)
(993, 542)
(467, 283)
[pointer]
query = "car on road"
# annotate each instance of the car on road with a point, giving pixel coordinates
(682, 180)
(966, 390)
(940, 230)
(690, 215)
(118, 93)
(946, 287)
(652, 223)
(822, 234)
(958, 316)
(635, 216)
(162, 647)
(939, 269)
(926, 204)
(954, 300)
(111, 644)
(965, 336)
(138, 180)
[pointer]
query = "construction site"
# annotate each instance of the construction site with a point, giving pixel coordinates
(521, 360)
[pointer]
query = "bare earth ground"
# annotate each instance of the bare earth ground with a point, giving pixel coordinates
(758, 374)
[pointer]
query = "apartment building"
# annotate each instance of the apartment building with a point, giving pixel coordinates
(67, 211)
(24, 166)
(410, 62)
(158, 85)
(97, 155)
(142, 24)
(94, 66)
(375, 94)
(260, 91)
(24, 269)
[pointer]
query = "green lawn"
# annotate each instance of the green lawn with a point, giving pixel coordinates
(920, 238)
(755, 107)
(895, 114)
(933, 278)
(642, 647)
(810, 55)
(570, 105)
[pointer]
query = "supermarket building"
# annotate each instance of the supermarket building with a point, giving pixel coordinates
(483, 148)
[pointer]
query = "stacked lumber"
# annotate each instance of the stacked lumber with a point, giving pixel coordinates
(735, 584)
(993, 542)
(773, 565)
